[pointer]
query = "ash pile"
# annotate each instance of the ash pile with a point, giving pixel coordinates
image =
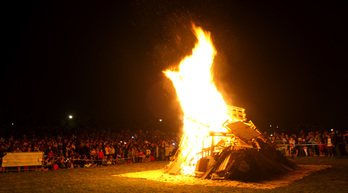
(238, 154)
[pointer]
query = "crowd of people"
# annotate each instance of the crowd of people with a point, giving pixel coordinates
(126, 147)
(313, 143)
(94, 149)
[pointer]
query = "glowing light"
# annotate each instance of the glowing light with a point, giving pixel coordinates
(199, 98)
(70, 116)
(194, 84)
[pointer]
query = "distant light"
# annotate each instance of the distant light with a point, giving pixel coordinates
(160, 120)
(70, 116)
(277, 127)
(12, 123)
(331, 129)
(270, 125)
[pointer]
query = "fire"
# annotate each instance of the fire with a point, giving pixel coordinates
(217, 142)
(204, 107)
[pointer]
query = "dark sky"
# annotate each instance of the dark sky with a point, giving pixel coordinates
(282, 61)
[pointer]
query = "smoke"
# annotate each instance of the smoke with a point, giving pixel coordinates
(169, 24)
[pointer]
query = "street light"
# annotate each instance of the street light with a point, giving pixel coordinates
(70, 116)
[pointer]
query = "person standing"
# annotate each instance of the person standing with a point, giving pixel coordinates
(293, 149)
(345, 140)
(112, 151)
(133, 154)
(336, 141)
(330, 146)
(107, 150)
(100, 157)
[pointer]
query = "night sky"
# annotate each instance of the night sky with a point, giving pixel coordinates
(282, 61)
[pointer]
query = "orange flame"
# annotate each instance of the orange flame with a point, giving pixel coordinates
(199, 98)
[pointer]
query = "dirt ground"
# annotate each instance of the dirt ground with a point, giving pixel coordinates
(314, 174)
(283, 180)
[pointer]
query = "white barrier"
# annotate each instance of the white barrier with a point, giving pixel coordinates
(22, 159)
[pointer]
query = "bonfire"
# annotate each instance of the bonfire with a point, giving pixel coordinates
(217, 141)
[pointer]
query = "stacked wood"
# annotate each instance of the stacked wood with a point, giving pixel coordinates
(234, 163)
(245, 157)
(249, 164)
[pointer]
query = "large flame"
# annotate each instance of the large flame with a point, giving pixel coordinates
(203, 106)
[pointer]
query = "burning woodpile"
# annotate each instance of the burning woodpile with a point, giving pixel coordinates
(217, 142)
(239, 153)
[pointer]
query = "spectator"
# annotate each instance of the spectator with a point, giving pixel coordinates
(133, 154)
(293, 149)
(345, 140)
(337, 143)
(61, 162)
(304, 146)
(148, 155)
(107, 150)
(100, 157)
(140, 156)
(330, 146)
(112, 151)
(300, 147)
(93, 152)
(321, 149)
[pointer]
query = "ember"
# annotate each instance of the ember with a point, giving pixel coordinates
(217, 142)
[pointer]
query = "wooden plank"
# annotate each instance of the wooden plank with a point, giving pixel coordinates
(243, 131)
(217, 163)
(233, 166)
(223, 165)
(176, 167)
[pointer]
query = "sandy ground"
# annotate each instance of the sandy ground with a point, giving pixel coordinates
(284, 180)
